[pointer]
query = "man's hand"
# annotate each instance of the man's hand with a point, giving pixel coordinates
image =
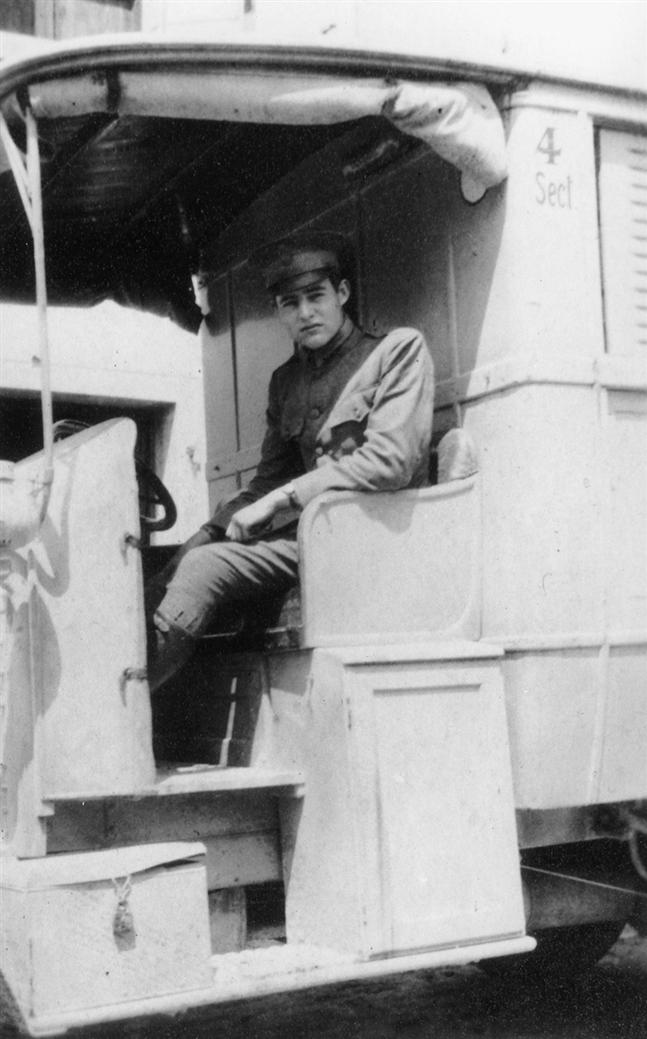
(249, 521)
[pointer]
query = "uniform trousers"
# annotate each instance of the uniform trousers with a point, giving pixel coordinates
(209, 579)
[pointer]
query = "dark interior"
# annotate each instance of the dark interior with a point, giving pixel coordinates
(130, 204)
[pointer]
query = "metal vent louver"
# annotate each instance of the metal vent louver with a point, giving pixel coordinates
(623, 227)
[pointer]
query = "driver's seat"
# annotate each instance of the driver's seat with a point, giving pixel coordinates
(276, 623)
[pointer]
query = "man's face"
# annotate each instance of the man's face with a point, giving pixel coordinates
(312, 310)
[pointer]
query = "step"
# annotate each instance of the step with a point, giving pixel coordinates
(200, 779)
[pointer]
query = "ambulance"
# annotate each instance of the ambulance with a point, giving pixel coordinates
(434, 752)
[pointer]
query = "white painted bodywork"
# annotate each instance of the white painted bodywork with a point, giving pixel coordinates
(353, 739)
(72, 720)
(438, 527)
(120, 357)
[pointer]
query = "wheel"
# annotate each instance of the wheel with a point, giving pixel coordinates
(563, 951)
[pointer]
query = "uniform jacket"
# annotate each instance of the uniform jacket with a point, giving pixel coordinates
(355, 415)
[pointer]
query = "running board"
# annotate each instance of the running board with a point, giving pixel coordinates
(263, 972)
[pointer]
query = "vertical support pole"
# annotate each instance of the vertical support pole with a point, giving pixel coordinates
(33, 176)
(5, 645)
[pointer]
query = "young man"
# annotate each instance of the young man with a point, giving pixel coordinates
(348, 411)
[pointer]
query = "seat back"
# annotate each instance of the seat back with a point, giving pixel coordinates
(387, 567)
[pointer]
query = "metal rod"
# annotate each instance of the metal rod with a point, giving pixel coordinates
(33, 174)
(17, 166)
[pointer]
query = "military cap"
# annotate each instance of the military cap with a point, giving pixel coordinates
(303, 252)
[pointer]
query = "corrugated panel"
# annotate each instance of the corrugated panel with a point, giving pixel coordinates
(623, 226)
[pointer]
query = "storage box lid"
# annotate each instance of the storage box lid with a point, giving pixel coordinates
(88, 866)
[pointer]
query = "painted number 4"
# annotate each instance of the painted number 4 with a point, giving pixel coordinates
(553, 190)
(547, 146)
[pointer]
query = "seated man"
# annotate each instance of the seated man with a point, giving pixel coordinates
(348, 411)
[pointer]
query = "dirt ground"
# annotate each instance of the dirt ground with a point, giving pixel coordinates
(609, 1003)
(452, 1003)
(464, 1003)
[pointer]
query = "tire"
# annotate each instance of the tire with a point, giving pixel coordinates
(563, 951)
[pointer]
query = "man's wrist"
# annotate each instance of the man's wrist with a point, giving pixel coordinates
(214, 531)
(288, 495)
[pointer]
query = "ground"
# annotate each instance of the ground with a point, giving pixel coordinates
(610, 1003)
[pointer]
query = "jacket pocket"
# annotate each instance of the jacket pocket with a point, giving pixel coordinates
(347, 424)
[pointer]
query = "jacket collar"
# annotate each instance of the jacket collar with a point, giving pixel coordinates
(342, 338)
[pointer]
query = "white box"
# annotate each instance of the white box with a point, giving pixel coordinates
(102, 928)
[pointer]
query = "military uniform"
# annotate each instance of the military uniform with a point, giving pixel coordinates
(355, 414)
(357, 418)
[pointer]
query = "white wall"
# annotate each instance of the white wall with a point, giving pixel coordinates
(109, 355)
(188, 14)
(603, 41)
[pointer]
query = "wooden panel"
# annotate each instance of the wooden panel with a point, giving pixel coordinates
(431, 758)
(236, 461)
(180, 817)
(546, 296)
(556, 583)
(406, 837)
(322, 868)
(405, 255)
(64, 18)
(78, 827)
(477, 287)
(221, 488)
(239, 831)
(17, 16)
(626, 543)
(261, 346)
(623, 772)
(243, 859)
(45, 18)
(552, 711)
(218, 377)
(227, 920)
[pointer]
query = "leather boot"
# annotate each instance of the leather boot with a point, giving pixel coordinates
(169, 649)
